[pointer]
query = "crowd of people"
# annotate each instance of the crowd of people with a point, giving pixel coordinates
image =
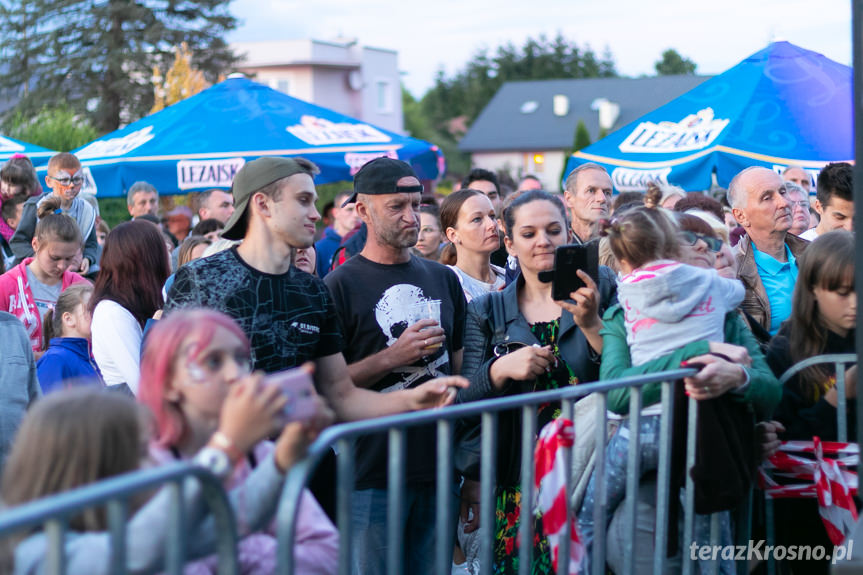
(148, 343)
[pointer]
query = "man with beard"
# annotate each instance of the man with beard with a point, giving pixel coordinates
(403, 319)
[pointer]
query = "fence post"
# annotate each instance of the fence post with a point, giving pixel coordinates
(395, 501)
(633, 476)
(564, 549)
(488, 464)
(689, 507)
(177, 530)
(525, 526)
(663, 477)
(55, 532)
(599, 492)
(117, 528)
(344, 498)
(445, 498)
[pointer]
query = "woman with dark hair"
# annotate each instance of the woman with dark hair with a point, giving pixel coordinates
(823, 321)
(128, 291)
(552, 344)
(468, 219)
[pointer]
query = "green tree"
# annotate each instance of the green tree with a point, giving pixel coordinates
(582, 137)
(469, 90)
(98, 57)
(54, 128)
(673, 63)
(417, 125)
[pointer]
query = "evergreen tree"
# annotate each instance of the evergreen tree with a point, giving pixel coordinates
(97, 57)
(673, 63)
(582, 137)
(470, 90)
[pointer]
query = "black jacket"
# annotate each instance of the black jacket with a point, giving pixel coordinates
(802, 416)
(479, 331)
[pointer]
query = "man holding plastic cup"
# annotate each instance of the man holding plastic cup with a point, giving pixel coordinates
(403, 320)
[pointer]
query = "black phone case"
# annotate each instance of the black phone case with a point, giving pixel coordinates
(567, 260)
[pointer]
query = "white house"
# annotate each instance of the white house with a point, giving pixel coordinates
(358, 81)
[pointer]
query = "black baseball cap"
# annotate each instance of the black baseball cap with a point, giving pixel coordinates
(381, 176)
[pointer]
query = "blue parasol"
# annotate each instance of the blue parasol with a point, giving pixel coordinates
(781, 106)
(201, 142)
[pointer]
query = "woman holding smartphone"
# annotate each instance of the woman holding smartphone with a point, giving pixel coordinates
(551, 344)
(190, 363)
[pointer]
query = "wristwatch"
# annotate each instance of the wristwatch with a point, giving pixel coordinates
(215, 460)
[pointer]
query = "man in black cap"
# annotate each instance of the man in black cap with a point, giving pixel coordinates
(380, 295)
(287, 314)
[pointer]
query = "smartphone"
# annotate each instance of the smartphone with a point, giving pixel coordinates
(567, 260)
(299, 387)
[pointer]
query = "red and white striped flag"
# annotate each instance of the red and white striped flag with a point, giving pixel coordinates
(551, 497)
(835, 503)
(826, 479)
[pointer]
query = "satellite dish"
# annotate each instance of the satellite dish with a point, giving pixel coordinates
(355, 80)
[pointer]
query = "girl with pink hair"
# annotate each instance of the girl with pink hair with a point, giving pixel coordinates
(190, 361)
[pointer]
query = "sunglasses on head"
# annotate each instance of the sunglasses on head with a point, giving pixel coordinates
(691, 238)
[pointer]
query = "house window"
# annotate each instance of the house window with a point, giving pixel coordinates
(383, 97)
(283, 86)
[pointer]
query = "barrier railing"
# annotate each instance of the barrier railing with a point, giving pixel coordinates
(342, 438)
(53, 513)
(840, 363)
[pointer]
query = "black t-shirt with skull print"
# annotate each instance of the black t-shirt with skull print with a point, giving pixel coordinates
(374, 302)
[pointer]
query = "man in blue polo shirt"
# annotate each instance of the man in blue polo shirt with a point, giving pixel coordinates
(767, 254)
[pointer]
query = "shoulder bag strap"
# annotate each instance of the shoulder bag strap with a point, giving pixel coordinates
(498, 319)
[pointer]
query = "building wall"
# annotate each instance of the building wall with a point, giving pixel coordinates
(293, 81)
(382, 95)
(331, 90)
(320, 72)
(520, 163)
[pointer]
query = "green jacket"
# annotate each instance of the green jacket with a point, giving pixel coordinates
(763, 392)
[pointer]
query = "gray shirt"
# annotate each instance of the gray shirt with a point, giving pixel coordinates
(44, 296)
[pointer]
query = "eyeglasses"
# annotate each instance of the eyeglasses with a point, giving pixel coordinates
(691, 238)
(799, 203)
(66, 181)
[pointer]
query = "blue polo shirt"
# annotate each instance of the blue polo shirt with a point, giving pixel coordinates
(778, 279)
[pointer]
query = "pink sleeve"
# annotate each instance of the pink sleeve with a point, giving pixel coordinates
(73, 279)
(316, 547)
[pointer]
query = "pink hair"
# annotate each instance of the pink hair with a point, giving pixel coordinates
(157, 364)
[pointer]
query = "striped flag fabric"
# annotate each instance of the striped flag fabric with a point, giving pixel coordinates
(825, 478)
(551, 498)
(835, 504)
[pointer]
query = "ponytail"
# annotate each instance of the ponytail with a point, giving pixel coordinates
(71, 298)
(54, 225)
(448, 255)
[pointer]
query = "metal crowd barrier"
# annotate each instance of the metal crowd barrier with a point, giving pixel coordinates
(52, 514)
(343, 438)
(840, 363)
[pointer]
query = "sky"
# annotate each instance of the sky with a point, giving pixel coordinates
(434, 34)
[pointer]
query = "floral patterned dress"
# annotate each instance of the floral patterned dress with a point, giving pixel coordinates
(508, 497)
